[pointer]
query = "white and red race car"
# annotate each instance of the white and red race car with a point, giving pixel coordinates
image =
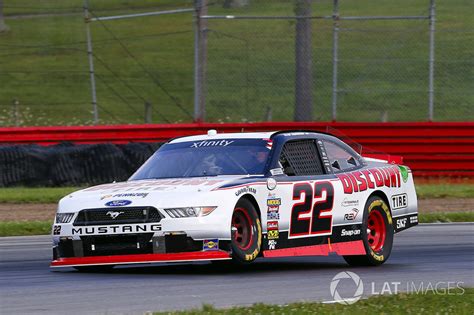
(240, 196)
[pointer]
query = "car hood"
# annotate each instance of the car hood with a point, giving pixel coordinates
(156, 192)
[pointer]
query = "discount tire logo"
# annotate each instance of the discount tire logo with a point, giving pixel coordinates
(359, 288)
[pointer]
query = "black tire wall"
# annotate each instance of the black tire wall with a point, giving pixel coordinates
(67, 164)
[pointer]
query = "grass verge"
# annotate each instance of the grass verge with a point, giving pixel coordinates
(34, 195)
(53, 194)
(461, 302)
(23, 228)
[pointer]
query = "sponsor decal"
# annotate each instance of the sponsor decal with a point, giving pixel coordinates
(413, 219)
(210, 245)
(274, 202)
(271, 183)
(116, 229)
(351, 215)
(118, 203)
(399, 201)
(56, 230)
(276, 171)
(220, 143)
(345, 232)
(350, 203)
(273, 215)
(272, 244)
(404, 172)
(244, 190)
(125, 195)
(370, 178)
(273, 234)
(325, 159)
(272, 225)
(401, 223)
(114, 214)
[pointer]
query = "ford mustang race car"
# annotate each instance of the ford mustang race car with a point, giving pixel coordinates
(239, 196)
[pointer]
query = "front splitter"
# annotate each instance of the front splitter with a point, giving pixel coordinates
(140, 259)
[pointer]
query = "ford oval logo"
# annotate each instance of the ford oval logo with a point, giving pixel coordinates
(118, 203)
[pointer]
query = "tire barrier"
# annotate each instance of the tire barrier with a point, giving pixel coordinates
(66, 164)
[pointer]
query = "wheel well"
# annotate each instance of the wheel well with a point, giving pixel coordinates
(254, 203)
(382, 195)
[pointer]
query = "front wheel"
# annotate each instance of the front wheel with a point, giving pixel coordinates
(377, 234)
(246, 232)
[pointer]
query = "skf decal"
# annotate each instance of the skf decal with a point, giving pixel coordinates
(273, 234)
(272, 225)
(351, 215)
(244, 190)
(401, 223)
(399, 201)
(210, 245)
(369, 179)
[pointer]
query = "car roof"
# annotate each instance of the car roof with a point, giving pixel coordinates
(246, 135)
(218, 136)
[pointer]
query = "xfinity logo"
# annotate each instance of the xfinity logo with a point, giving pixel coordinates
(222, 143)
(114, 214)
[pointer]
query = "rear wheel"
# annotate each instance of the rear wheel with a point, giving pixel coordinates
(377, 234)
(246, 232)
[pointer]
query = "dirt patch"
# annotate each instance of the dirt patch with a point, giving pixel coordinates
(27, 212)
(45, 212)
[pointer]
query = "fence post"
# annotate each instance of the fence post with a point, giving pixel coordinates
(148, 109)
(91, 62)
(303, 56)
(432, 60)
(16, 112)
(200, 60)
(335, 57)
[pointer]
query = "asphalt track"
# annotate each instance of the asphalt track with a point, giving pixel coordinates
(439, 255)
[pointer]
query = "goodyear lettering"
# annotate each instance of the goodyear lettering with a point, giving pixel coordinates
(370, 179)
(244, 190)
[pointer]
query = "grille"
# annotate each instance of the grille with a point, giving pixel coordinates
(126, 215)
(117, 244)
(303, 157)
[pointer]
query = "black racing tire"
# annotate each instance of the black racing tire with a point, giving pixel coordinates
(246, 231)
(377, 234)
(94, 269)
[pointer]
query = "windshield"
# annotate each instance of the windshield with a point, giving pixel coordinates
(206, 158)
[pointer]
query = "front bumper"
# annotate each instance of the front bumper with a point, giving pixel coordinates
(136, 248)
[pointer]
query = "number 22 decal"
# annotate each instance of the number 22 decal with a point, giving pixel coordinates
(313, 215)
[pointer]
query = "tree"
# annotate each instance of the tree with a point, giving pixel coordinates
(303, 60)
(3, 26)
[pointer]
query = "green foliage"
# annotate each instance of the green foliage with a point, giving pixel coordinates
(460, 302)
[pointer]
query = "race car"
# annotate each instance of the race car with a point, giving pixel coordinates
(240, 196)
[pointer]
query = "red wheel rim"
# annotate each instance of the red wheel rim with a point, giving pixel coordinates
(376, 231)
(242, 228)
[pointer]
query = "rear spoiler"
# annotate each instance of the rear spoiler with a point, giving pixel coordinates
(384, 158)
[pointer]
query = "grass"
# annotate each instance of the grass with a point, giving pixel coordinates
(445, 190)
(383, 65)
(34, 195)
(23, 228)
(460, 302)
(53, 194)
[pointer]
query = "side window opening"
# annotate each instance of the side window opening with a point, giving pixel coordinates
(300, 158)
(339, 158)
